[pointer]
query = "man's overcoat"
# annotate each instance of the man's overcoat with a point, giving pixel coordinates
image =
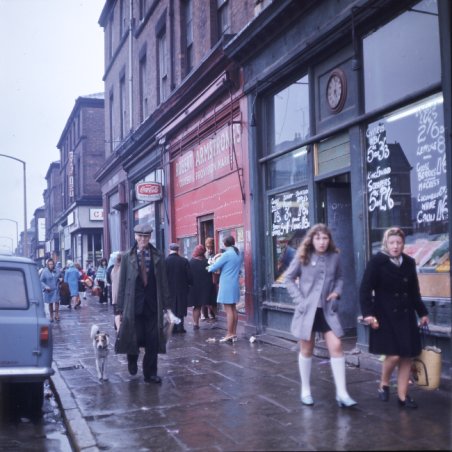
(127, 340)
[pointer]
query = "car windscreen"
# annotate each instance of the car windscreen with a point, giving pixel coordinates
(13, 292)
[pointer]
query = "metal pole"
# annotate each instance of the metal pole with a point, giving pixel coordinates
(25, 201)
(25, 213)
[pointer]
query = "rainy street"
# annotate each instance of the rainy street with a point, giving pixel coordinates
(224, 397)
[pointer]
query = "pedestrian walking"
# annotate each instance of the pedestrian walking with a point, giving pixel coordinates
(179, 280)
(229, 264)
(203, 291)
(50, 282)
(314, 281)
(72, 277)
(390, 299)
(101, 280)
(143, 294)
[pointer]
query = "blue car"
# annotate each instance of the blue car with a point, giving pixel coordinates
(26, 346)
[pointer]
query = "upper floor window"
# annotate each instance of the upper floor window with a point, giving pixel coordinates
(414, 61)
(110, 38)
(142, 9)
(223, 17)
(143, 88)
(188, 29)
(162, 51)
(111, 123)
(122, 106)
(122, 18)
(288, 116)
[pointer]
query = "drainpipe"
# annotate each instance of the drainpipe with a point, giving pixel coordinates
(131, 21)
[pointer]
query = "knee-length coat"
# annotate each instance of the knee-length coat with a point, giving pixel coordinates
(127, 342)
(49, 283)
(179, 281)
(391, 294)
(313, 281)
(230, 264)
(203, 291)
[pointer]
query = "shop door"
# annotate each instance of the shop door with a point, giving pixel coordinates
(337, 213)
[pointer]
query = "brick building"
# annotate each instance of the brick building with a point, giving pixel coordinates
(261, 118)
(80, 220)
(53, 205)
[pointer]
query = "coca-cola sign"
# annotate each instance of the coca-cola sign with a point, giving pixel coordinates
(148, 191)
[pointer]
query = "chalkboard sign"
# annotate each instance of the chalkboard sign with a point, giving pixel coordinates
(290, 211)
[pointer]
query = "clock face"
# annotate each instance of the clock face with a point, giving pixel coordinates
(336, 90)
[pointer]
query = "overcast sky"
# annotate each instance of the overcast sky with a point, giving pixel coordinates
(51, 52)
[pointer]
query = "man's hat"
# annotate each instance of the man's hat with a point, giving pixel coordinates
(143, 229)
(174, 247)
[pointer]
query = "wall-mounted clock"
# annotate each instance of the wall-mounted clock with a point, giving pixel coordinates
(336, 90)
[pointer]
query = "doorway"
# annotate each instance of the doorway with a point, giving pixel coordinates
(206, 228)
(335, 210)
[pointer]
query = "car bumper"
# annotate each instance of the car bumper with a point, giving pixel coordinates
(25, 373)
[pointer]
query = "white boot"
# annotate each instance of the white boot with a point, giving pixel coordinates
(338, 369)
(304, 365)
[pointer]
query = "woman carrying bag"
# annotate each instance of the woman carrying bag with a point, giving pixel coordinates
(390, 299)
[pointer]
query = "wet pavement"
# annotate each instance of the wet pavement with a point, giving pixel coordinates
(228, 397)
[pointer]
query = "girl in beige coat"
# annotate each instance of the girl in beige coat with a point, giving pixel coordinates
(314, 281)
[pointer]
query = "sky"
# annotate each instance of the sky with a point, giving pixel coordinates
(51, 52)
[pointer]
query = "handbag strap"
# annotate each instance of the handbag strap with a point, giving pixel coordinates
(424, 331)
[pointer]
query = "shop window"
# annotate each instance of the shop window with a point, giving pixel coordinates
(403, 56)
(290, 220)
(288, 113)
(291, 168)
(407, 187)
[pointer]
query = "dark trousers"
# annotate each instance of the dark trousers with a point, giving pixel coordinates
(103, 298)
(146, 329)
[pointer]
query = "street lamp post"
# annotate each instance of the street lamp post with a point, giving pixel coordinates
(17, 229)
(25, 201)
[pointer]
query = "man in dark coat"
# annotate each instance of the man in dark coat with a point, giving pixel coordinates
(143, 294)
(179, 279)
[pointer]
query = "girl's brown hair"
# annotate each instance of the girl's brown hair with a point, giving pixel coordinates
(306, 248)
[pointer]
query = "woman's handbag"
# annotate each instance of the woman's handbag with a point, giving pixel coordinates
(427, 366)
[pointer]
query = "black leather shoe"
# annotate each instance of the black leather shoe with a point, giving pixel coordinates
(408, 403)
(133, 367)
(153, 379)
(383, 393)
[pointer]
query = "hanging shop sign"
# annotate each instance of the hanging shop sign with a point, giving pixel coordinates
(148, 191)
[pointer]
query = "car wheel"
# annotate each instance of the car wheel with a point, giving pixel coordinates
(36, 394)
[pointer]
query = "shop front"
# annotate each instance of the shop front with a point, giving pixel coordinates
(352, 135)
(208, 191)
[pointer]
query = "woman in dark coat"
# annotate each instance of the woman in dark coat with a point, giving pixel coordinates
(390, 299)
(203, 291)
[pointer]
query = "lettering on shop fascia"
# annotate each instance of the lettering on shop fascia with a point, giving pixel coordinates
(210, 157)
